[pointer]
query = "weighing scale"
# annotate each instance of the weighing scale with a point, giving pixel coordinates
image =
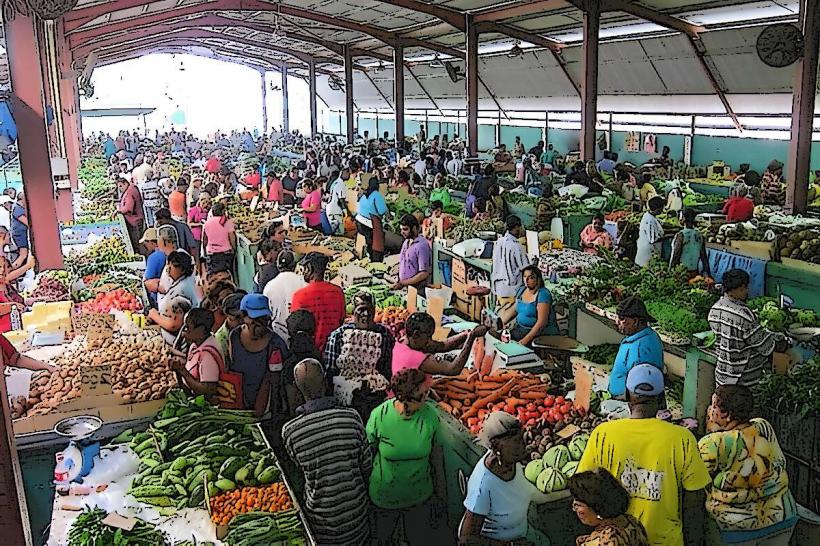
(76, 461)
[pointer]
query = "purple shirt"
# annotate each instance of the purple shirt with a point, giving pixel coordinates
(416, 256)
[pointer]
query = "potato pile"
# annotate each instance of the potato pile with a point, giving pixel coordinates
(140, 371)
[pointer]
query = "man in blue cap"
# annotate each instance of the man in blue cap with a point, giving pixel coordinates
(657, 462)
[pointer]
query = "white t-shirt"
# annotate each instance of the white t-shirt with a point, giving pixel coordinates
(279, 292)
(454, 167)
(503, 504)
(141, 173)
(338, 190)
(421, 168)
(649, 239)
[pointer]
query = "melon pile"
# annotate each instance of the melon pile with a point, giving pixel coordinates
(551, 472)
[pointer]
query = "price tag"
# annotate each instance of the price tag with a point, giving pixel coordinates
(120, 522)
(95, 380)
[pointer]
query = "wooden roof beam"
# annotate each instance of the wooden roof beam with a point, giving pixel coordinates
(653, 16)
(528, 8)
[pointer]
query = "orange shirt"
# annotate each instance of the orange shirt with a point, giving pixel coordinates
(176, 204)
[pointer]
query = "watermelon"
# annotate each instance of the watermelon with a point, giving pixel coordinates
(550, 481)
(577, 445)
(533, 469)
(569, 469)
(556, 457)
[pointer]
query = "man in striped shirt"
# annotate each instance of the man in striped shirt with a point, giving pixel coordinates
(743, 346)
(509, 259)
(329, 446)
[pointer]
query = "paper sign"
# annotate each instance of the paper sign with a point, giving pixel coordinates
(95, 380)
(435, 308)
(567, 431)
(360, 244)
(583, 388)
(459, 271)
(120, 522)
(439, 223)
(101, 327)
(532, 244)
(412, 299)
(254, 202)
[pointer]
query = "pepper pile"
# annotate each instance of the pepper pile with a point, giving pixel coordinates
(272, 498)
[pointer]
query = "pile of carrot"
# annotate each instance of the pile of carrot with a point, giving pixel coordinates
(470, 397)
(270, 498)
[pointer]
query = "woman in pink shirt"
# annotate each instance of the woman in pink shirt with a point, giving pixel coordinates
(419, 351)
(198, 214)
(274, 187)
(219, 240)
(202, 366)
(312, 204)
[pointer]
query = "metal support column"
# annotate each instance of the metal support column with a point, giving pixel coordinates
(264, 102)
(398, 93)
(589, 83)
(348, 60)
(805, 84)
(314, 113)
(285, 99)
(32, 141)
(472, 85)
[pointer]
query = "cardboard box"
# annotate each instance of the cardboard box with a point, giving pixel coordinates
(469, 306)
(108, 414)
(351, 274)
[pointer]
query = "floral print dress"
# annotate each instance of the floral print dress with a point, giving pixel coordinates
(750, 488)
(624, 530)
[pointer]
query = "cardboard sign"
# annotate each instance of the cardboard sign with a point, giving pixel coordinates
(95, 380)
(412, 299)
(532, 244)
(568, 431)
(439, 224)
(459, 272)
(435, 308)
(583, 388)
(120, 522)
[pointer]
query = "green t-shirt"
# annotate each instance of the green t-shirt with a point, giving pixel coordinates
(441, 194)
(402, 475)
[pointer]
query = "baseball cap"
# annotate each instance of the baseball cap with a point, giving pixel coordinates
(497, 424)
(634, 307)
(149, 235)
(255, 306)
(645, 380)
(286, 260)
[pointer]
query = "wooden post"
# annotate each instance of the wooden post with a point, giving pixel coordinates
(398, 93)
(805, 83)
(32, 141)
(264, 102)
(314, 113)
(589, 83)
(349, 107)
(472, 86)
(285, 99)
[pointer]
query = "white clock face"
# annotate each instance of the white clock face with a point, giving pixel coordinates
(780, 45)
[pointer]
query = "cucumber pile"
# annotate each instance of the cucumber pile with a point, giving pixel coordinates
(256, 528)
(193, 442)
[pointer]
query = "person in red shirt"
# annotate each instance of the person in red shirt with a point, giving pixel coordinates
(739, 208)
(213, 164)
(326, 301)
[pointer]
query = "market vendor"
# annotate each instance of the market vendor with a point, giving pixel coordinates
(601, 502)
(13, 357)
(258, 354)
(178, 279)
(432, 357)
(650, 232)
(312, 204)
(744, 347)
(416, 256)
(219, 240)
(657, 462)
(336, 199)
(642, 345)
(509, 260)
(154, 264)
(689, 247)
(358, 358)
(329, 447)
(749, 499)
(595, 236)
(130, 206)
(407, 484)
(771, 183)
(231, 309)
(440, 192)
(739, 208)
(369, 220)
(498, 494)
(201, 367)
(428, 227)
(534, 309)
(170, 316)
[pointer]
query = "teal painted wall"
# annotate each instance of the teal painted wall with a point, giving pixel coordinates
(564, 140)
(529, 136)
(734, 151)
(618, 145)
(388, 125)
(486, 137)
(411, 127)
(369, 125)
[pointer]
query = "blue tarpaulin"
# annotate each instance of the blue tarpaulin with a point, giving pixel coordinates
(721, 261)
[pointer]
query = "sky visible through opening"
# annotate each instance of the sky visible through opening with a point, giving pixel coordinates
(209, 95)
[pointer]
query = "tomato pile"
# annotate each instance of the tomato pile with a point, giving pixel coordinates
(120, 299)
